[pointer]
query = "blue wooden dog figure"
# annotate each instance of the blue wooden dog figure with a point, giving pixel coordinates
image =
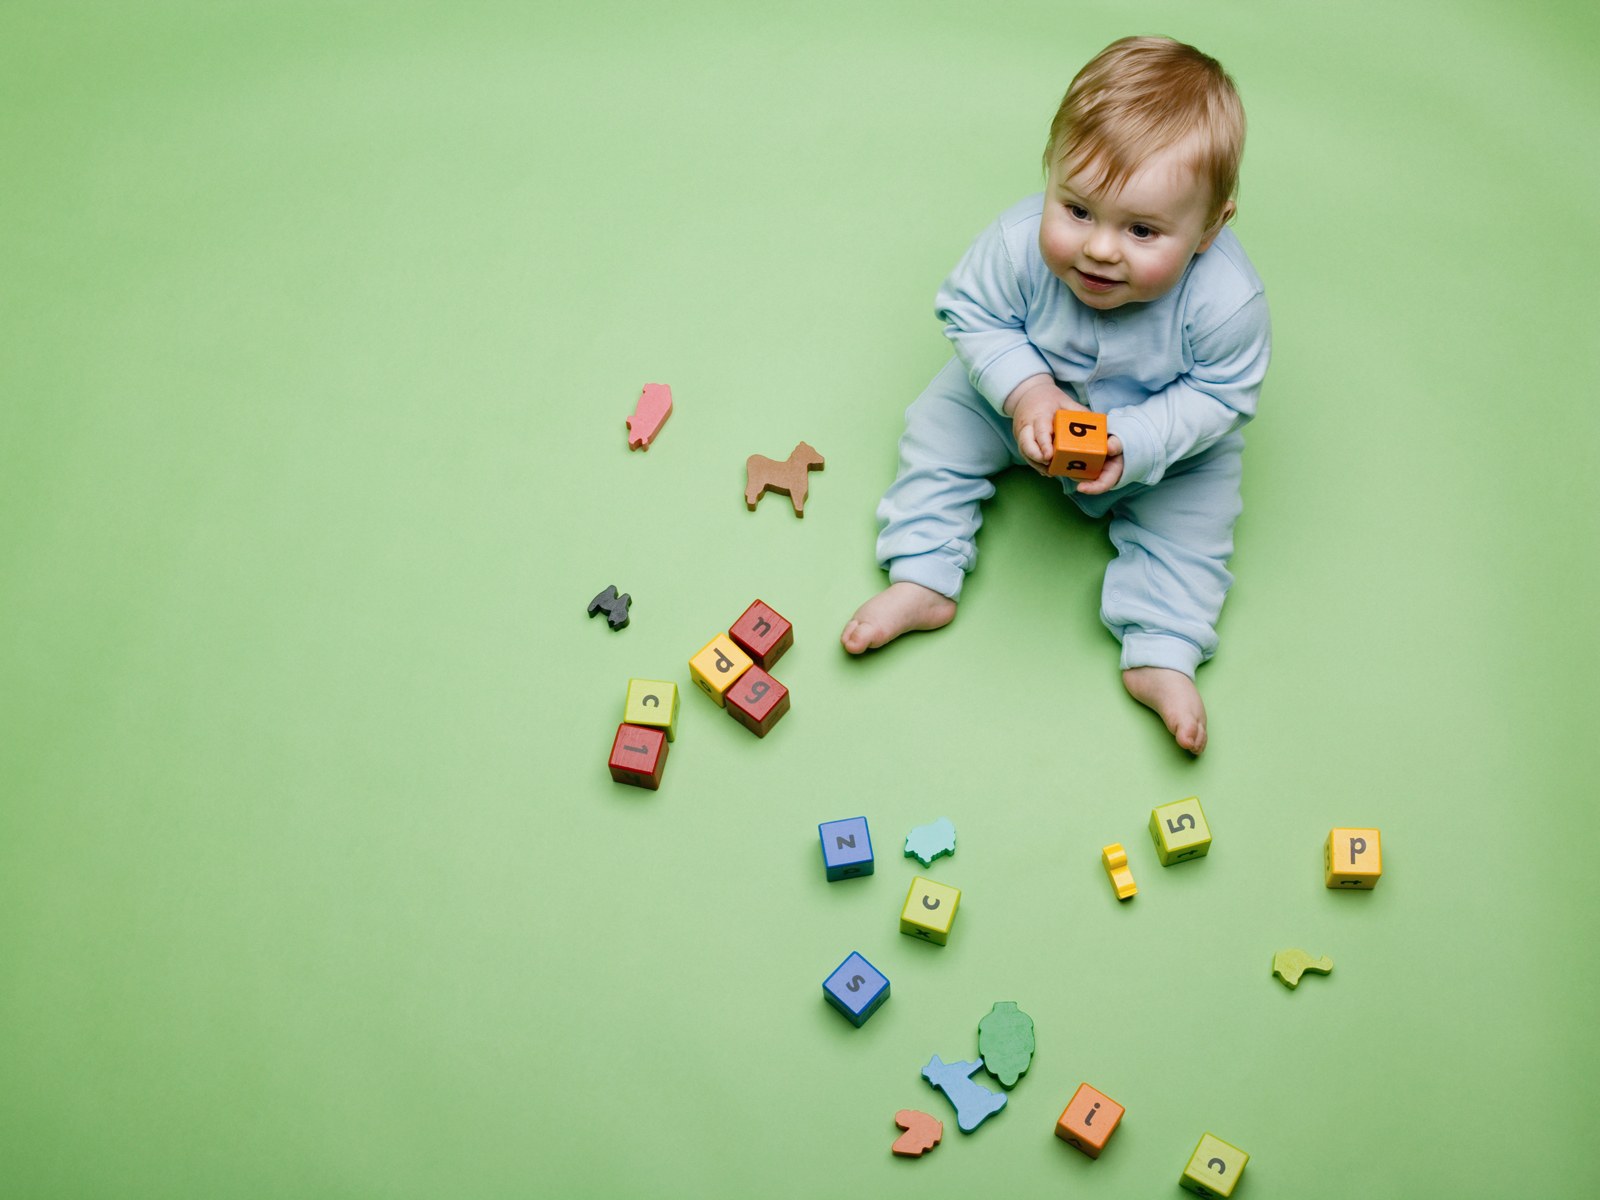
(974, 1102)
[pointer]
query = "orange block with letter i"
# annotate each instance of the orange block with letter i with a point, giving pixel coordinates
(1089, 1120)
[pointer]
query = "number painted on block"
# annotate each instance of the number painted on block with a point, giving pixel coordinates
(1184, 821)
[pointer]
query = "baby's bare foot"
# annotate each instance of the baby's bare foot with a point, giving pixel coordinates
(1174, 696)
(897, 609)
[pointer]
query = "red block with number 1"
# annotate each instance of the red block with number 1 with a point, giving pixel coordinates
(639, 755)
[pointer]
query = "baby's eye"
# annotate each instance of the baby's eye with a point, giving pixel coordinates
(1142, 232)
(1079, 211)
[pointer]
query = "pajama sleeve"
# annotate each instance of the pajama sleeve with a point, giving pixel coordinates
(983, 305)
(1216, 396)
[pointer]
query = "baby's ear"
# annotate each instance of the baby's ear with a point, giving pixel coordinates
(1223, 218)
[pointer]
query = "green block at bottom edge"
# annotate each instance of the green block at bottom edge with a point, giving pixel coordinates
(1203, 1180)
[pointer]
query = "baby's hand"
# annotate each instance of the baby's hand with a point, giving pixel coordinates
(1033, 422)
(1110, 474)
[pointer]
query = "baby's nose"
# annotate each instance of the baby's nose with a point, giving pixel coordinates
(1102, 244)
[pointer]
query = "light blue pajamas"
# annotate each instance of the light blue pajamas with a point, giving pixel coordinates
(1177, 376)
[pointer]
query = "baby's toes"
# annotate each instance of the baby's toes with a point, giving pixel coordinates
(1191, 735)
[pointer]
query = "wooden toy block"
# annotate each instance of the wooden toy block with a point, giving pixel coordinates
(762, 634)
(928, 842)
(1115, 859)
(856, 988)
(1080, 444)
(638, 755)
(923, 1132)
(1289, 965)
(1179, 831)
(974, 1102)
(756, 700)
(1005, 1042)
(1089, 1120)
(649, 415)
(614, 606)
(791, 477)
(930, 910)
(1214, 1168)
(846, 848)
(716, 666)
(652, 702)
(1353, 858)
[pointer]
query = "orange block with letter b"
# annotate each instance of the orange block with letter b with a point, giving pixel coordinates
(1080, 444)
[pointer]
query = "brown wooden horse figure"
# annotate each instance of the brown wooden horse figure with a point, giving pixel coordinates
(791, 477)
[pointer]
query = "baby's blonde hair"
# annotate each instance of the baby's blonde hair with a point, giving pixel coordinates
(1139, 96)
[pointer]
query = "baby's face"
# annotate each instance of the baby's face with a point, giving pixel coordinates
(1127, 246)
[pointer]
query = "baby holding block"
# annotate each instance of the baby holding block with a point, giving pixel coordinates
(1110, 332)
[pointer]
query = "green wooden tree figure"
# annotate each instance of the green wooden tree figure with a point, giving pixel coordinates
(1005, 1042)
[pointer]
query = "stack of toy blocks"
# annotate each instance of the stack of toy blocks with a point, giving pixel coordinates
(732, 668)
(649, 722)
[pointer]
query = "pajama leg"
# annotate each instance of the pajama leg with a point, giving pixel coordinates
(1164, 590)
(928, 519)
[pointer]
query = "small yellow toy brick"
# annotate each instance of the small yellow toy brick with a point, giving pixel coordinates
(930, 910)
(1214, 1168)
(718, 666)
(1115, 859)
(652, 702)
(1352, 859)
(1179, 831)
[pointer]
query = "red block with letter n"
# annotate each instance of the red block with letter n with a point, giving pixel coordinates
(762, 634)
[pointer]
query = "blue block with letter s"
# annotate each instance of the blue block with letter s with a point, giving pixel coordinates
(857, 989)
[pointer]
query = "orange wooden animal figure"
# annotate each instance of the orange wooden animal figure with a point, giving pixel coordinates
(790, 477)
(923, 1132)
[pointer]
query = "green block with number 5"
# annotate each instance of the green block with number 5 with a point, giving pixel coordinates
(1179, 831)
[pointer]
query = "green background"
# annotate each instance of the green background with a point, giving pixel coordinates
(321, 321)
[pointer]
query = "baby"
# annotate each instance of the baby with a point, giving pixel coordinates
(1120, 291)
